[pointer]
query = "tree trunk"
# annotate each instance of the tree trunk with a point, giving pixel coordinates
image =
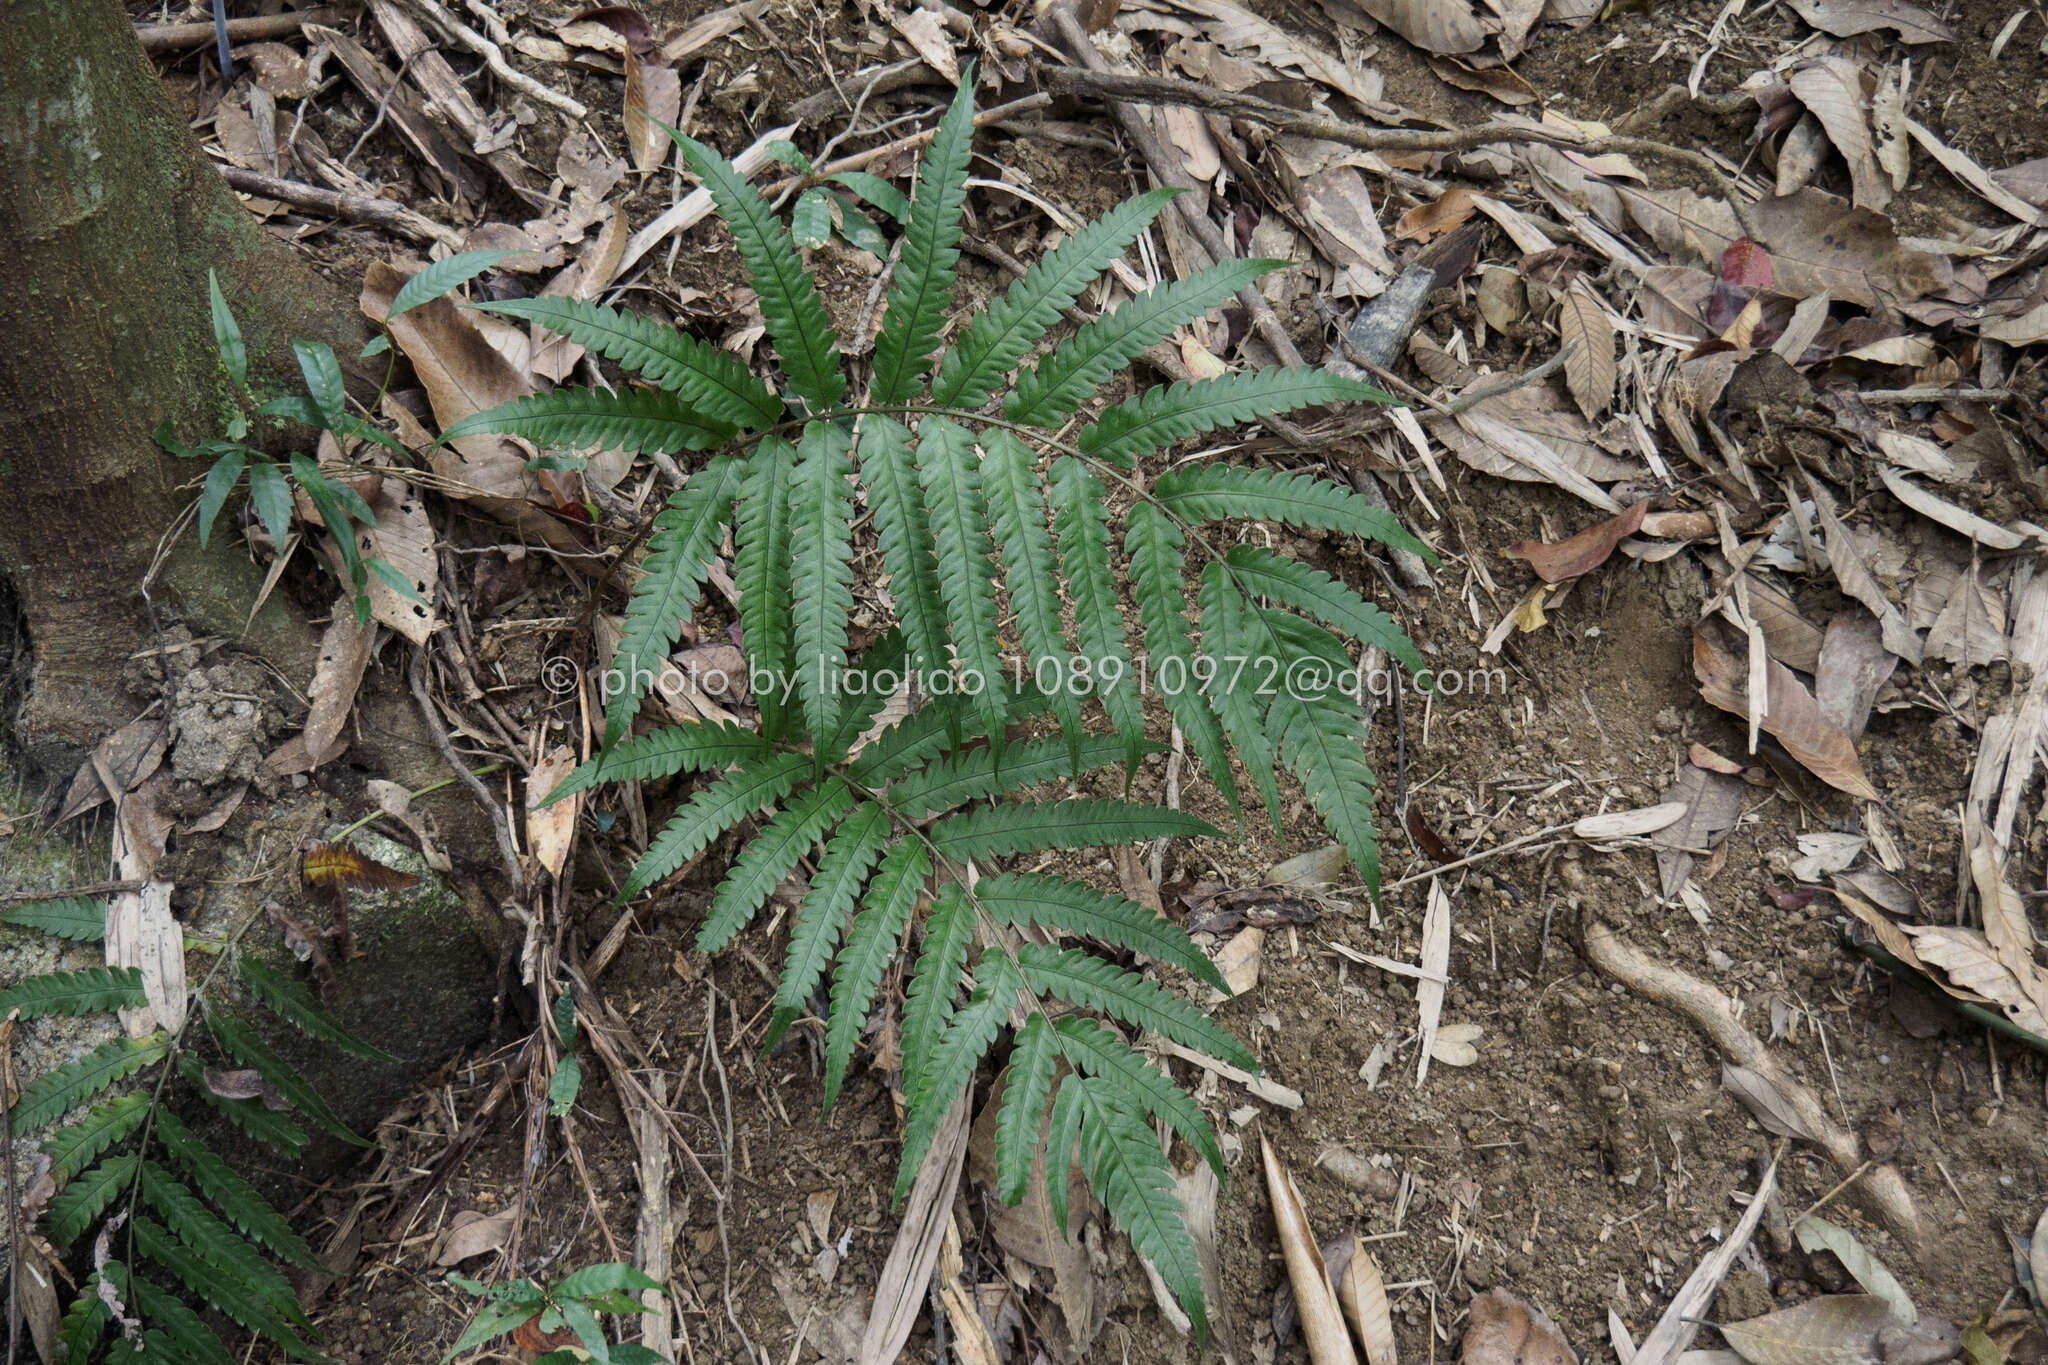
(110, 217)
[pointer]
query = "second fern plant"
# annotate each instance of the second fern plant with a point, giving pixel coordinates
(978, 515)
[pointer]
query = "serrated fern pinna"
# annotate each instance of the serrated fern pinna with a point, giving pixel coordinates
(974, 514)
(170, 1205)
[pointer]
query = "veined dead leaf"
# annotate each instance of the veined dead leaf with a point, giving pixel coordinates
(470, 1233)
(1457, 1044)
(1974, 970)
(2006, 927)
(1363, 1296)
(1425, 221)
(1764, 1100)
(1832, 89)
(1322, 1323)
(1622, 823)
(1817, 1233)
(1836, 1329)
(1847, 18)
(1432, 25)
(327, 864)
(1507, 1330)
(1556, 561)
(551, 832)
(1589, 371)
(1436, 966)
(1960, 520)
(927, 38)
(654, 96)
(344, 655)
(1790, 714)
(1964, 168)
(404, 539)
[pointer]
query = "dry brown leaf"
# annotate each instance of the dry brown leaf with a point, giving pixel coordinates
(1713, 803)
(1964, 168)
(1449, 209)
(1363, 1296)
(1974, 971)
(1588, 550)
(277, 69)
(899, 1292)
(1589, 370)
(551, 832)
(927, 38)
(1322, 1323)
(1801, 154)
(1856, 579)
(1790, 714)
(1432, 25)
(1675, 1330)
(1621, 824)
(1237, 29)
(1189, 132)
(2006, 927)
(344, 655)
(470, 1233)
(404, 539)
(1832, 89)
(1835, 1329)
(1436, 966)
(1847, 18)
(1498, 81)
(1763, 1099)
(1963, 522)
(1504, 1329)
(654, 96)
(1853, 665)
(337, 865)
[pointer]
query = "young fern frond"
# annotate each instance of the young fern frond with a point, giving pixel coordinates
(974, 517)
(75, 992)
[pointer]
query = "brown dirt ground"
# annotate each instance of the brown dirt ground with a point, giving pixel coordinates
(1587, 1160)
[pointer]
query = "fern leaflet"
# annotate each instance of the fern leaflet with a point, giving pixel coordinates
(888, 469)
(1240, 708)
(923, 285)
(969, 774)
(1088, 822)
(1160, 417)
(928, 1004)
(1295, 584)
(1081, 518)
(951, 473)
(1054, 903)
(970, 1032)
(50, 1096)
(712, 812)
(232, 1195)
(291, 1002)
(1086, 980)
(706, 747)
(1154, 546)
(646, 421)
(1026, 1089)
(1321, 746)
(79, 918)
(75, 992)
(75, 1146)
(239, 1039)
(1017, 513)
(821, 577)
(1123, 1160)
(761, 568)
(1209, 492)
(176, 1332)
(223, 1291)
(849, 856)
(768, 858)
(72, 1209)
(870, 945)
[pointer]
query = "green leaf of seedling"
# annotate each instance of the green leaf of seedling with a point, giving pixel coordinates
(857, 228)
(811, 222)
(876, 191)
(220, 481)
(394, 580)
(272, 497)
(227, 334)
(789, 154)
(573, 464)
(376, 345)
(323, 380)
(563, 1085)
(165, 437)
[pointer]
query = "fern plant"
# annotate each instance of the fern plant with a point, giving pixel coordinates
(981, 517)
(162, 1197)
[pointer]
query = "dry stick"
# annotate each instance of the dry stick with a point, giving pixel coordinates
(1714, 1014)
(68, 892)
(1109, 85)
(353, 208)
(178, 37)
(494, 57)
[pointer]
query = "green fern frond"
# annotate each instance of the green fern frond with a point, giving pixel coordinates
(1063, 1129)
(640, 421)
(223, 1291)
(951, 473)
(790, 306)
(85, 1322)
(50, 1096)
(705, 747)
(1026, 898)
(870, 945)
(1162, 416)
(75, 992)
(1080, 509)
(75, 1146)
(1292, 583)
(1153, 545)
(928, 1002)
(1002, 333)
(1047, 391)
(712, 381)
(232, 1195)
(241, 1041)
(849, 856)
(255, 1118)
(970, 1032)
(750, 787)
(768, 859)
(1093, 1047)
(216, 1243)
(175, 1332)
(865, 689)
(1088, 981)
(679, 554)
(78, 918)
(923, 284)
(903, 532)
(1235, 697)
(760, 571)
(1030, 826)
(1130, 1174)
(971, 774)
(1211, 492)
(925, 733)
(291, 1002)
(1321, 742)
(1026, 1088)
(72, 1209)
(821, 573)
(1017, 514)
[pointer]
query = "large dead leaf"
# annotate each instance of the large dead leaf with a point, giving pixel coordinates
(344, 654)
(1322, 1322)
(1974, 970)
(1817, 244)
(1853, 665)
(1761, 1096)
(1505, 1329)
(1832, 89)
(1790, 713)
(1847, 18)
(1836, 1329)
(1581, 554)
(404, 539)
(550, 832)
(1846, 560)
(1589, 372)
(654, 96)
(1432, 25)
(1239, 30)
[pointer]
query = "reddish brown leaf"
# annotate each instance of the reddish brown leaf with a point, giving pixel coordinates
(1427, 839)
(1744, 262)
(1507, 1330)
(1588, 550)
(336, 865)
(1791, 714)
(527, 1336)
(1425, 221)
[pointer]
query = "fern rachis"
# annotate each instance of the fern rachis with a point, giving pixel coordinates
(992, 533)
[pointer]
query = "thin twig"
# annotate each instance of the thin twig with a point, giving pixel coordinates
(67, 892)
(494, 57)
(499, 829)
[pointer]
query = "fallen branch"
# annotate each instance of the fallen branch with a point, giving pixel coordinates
(1714, 1014)
(352, 208)
(180, 37)
(1123, 89)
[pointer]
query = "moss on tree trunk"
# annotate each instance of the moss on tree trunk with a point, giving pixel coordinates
(109, 220)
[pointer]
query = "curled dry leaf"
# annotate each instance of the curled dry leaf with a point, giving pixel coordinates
(1847, 18)
(1457, 1044)
(1433, 25)
(1588, 550)
(1436, 965)
(1425, 221)
(1322, 1323)
(1819, 1234)
(1833, 89)
(1790, 714)
(1836, 1329)
(472, 1234)
(550, 832)
(344, 655)
(327, 864)
(1505, 1329)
